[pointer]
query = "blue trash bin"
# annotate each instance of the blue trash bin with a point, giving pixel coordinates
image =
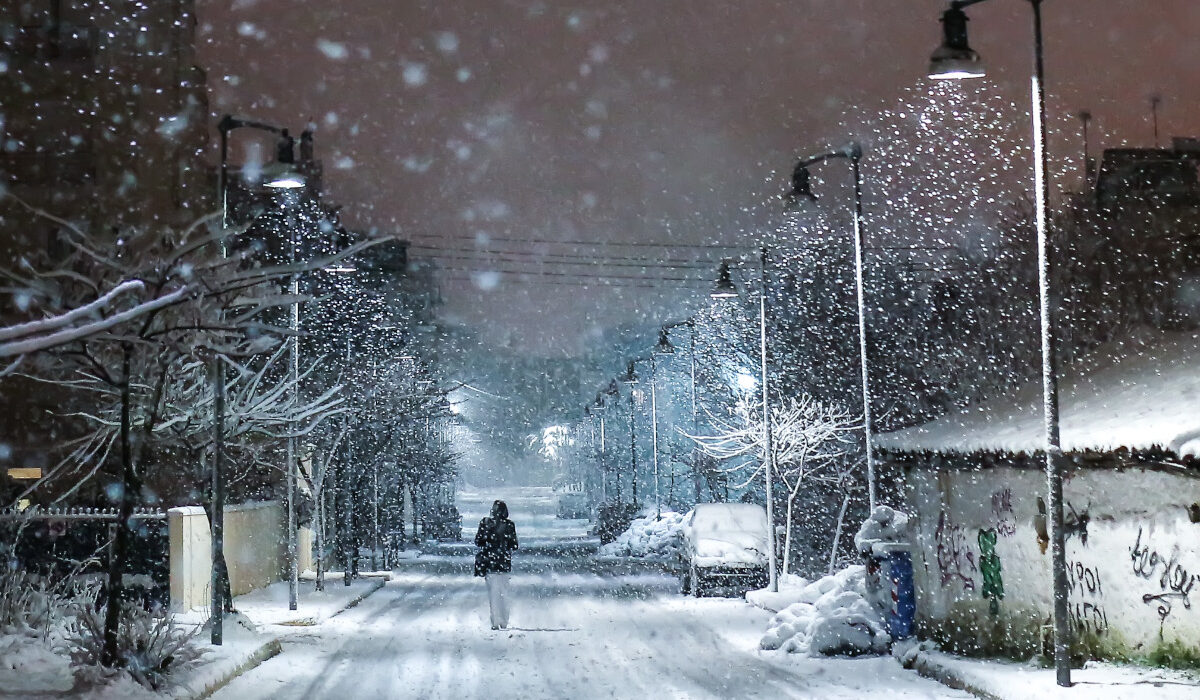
(904, 599)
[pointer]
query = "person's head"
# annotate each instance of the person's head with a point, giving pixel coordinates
(499, 509)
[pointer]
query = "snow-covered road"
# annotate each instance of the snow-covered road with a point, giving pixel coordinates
(580, 630)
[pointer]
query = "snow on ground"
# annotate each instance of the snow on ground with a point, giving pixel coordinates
(581, 629)
(649, 536)
(791, 590)
(29, 665)
(832, 616)
(1097, 681)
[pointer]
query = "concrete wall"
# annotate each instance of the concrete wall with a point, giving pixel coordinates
(254, 550)
(1133, 553)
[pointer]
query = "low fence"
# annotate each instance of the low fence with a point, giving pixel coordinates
(170, 562)
(65, 543)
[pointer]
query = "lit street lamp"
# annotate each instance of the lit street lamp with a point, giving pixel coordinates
(281, 174)
(954, 59)
(800, 194)
(724, 289)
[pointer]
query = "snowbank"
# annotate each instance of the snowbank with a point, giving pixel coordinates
(30, 665)
(791, 591)
(832, 616)
(648, 537)
(884, 527)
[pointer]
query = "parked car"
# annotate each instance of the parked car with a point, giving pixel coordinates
(572, 501)
(724, 546)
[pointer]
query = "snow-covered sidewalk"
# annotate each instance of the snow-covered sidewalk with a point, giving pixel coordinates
(253, 634)
(1001, 680)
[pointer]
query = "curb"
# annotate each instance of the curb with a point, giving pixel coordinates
(265, 651)
(361, 596)
(935, 671)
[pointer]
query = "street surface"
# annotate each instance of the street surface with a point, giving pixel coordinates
(580, 629)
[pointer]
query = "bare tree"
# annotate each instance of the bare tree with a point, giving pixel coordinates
(131, 367)
(812, 441)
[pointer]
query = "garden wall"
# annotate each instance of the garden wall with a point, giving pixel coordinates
(254, 551)
(982, 561)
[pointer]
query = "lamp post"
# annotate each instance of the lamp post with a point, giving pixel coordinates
(631, 379)
(955, 59)
(280, 175)
(801, 193)
(665, 347)
(724, 289)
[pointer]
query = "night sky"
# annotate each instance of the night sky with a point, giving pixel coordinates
(520, 122)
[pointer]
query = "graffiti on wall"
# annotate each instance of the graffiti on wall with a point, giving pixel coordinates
(1086, 605)
(955, 557)
(989, 569)
(1175, 581)
(1002, 512)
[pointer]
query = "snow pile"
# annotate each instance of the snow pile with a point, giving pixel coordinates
(649, 537)
(886, 526)
(832, 617)
(791, 590)
(30, 665)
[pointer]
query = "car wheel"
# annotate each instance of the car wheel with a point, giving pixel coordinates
(697, 583)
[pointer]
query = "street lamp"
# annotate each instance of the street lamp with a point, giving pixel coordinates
(281, 174)
(799, 196)
(724, 289)
(631, 379)
(954, 24)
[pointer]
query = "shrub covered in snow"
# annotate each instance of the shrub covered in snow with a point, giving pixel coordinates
(29, 605)
(884, 526)
(832, 616)
(649, 537)
(150, 647)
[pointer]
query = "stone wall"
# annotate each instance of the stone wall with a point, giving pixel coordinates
(982, 560)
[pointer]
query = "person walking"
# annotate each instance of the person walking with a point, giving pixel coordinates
(496, 539)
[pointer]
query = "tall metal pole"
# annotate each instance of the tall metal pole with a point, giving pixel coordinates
(768, 446)
(632, 449)
(654, 434)
(1054, 454)
(868, 427)
(292, 456)
(695, 429)
(603, 462)
(217, 602)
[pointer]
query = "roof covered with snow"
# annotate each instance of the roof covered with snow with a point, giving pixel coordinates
(1139, 393)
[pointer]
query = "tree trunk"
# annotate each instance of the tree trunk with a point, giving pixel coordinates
(787, 535)
(837, 533)
(319, 533)
(120, 547)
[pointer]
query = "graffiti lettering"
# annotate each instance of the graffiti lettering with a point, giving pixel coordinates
(1087, 609)
(1175, 582)
(1002, 511)
(1084, 580)
(955, 557)
(1088, 617)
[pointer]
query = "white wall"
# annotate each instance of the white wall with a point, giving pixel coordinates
(254, 550)
(1133, 556)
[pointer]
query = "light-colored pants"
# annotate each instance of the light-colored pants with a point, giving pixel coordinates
(497, 585)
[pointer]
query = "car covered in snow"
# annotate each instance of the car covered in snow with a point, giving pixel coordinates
(724, 546)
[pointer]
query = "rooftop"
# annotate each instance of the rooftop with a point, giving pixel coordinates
(1140, 393)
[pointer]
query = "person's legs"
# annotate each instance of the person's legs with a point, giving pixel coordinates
(493, 587)
(501, 616)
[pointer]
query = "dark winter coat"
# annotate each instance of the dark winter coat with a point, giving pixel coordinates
(496, 539)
